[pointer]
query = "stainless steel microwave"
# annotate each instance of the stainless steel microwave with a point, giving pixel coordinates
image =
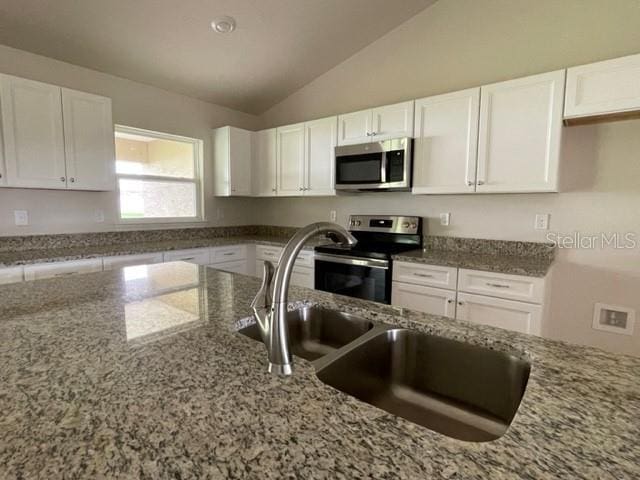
(384, 165)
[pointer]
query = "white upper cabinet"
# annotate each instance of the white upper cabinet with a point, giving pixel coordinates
(89, 141)
(290, 159)
(392, 121)
(320, 143)
(604, 88)
(33, 133)
(446, 139)
(354, 128)
(519, 135)
(264, 163)
(376, 124)
(232, 161)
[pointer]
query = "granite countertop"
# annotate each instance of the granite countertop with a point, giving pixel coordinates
(140, 373)
(532, 266)
(41, 255)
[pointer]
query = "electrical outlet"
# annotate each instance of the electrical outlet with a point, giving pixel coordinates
(333, 215)
(542, 221)
(98, 215)
(445, 219)
(21, 217)
(614, 319)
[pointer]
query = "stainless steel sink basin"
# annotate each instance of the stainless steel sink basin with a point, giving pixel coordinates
(315, 332)
(460, 390)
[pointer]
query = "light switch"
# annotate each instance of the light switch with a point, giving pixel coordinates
(99, 215)
(445, 219)
(21, 217)
(333, 215)
(542, 221)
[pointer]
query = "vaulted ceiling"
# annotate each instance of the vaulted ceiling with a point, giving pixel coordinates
(278, 46)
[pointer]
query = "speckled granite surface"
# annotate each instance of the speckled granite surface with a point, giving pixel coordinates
(25, 257)
(139, 373)
(532, 266)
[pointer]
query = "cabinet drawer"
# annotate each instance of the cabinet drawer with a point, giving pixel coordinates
(11, 275)
(436, 301)
(199, 256)
(61, 269)
(305, 259)
(131, 260)
(238, 266)
(515, 287)
(268, 253)
(497, 312)
(428, 275)
(228, 254)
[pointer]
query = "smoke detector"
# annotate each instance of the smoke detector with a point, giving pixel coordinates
(223, 24)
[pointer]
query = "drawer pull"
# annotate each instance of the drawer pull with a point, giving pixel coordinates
(65, 274)
(228, 253)
(424, 275)
(497, 285)
(449, 301)
(187, 258)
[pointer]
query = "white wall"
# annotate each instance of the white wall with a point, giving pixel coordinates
(457, 44)
(135, 105)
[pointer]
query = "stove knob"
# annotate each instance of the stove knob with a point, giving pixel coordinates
(358, 223)
(413, 225)
(405, 225)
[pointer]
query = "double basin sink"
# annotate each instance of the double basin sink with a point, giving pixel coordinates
(460, 390)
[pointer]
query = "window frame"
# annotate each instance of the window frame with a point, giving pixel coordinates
(197, 180)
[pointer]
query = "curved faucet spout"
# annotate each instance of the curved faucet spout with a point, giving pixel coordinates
(274, 324)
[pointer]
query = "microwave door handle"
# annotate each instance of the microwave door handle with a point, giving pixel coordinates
(383, 168)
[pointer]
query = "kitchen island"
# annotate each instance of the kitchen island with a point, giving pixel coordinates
(141, 373)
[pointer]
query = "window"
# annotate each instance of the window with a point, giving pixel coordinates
(158, 176)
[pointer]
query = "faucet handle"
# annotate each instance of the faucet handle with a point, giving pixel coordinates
(263, 299)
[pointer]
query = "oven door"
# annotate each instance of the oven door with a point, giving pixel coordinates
(364, 278)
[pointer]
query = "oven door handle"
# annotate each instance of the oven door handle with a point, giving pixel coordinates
(360, 262)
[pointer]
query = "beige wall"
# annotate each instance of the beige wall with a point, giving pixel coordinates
(457, 44)
(135, 105)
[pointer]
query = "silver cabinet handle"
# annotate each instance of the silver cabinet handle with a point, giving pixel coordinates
(469, 183)
(449, 300)
(72, 180)
(228, 253)
(480, 182)
(425, 275)
(62, 179)
(460, 303)
(497, 285)
(273, 189)
(186, 258)
(65, 274)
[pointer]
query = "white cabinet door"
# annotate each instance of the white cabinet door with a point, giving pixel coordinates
(89, 141)
(435, 301)
(199, 256)
(33, 133)
(508, 314)
(354, 128)
(238, 266)
(320, 143)
(10, 275)
(392, 121)
(303, 277)
(120, 261)
(520, 131)
(446, 143)
(603, 88)
(61, 269)
(232, 161)
(240, 161)
(228, 254)
(264, 163)
(290, 155)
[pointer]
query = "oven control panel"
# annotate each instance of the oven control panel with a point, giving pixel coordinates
(385, 224)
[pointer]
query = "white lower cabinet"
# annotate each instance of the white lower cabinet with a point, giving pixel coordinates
(11, 275)
(120, 261)
(508, 314)
(238, 266)
(303, 274)
(512, 302)
(436, 301)
(199, 256)
(61, 269)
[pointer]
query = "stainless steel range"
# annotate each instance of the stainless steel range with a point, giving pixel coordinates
(365, 270)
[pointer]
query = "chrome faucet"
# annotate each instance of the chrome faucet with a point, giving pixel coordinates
(270, 304)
